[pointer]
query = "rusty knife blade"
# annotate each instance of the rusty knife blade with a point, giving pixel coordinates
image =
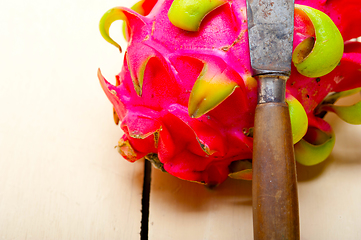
(270, 30)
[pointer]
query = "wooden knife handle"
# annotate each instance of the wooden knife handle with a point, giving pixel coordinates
(274, 183)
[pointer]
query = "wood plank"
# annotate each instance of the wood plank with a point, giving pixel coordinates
(329, 195)
(183, 210)
(60, 176)
(331, 191)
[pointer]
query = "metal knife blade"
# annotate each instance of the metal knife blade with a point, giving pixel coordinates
(270, 31)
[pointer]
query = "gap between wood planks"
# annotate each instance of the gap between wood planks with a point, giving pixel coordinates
(144, 228)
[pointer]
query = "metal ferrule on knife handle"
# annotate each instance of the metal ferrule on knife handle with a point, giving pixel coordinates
(274, 183)
(271, 88)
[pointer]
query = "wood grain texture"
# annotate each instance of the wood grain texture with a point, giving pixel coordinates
(274, 181)
(60, 176)
(183, 210)
(329, 198)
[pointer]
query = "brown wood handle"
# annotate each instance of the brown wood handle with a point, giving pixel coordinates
(274, 183)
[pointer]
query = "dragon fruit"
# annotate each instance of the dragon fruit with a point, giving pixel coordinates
(186, 97)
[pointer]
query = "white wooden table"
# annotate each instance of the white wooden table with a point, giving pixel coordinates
(61, 178)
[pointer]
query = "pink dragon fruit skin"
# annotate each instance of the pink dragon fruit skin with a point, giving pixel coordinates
(165, 117)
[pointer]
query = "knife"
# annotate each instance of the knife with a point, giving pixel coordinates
(274, 184)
